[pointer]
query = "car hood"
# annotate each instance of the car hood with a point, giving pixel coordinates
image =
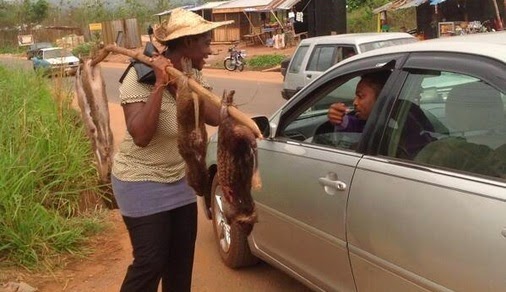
(63, 60)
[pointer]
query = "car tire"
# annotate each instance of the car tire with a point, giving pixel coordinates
(232, 241)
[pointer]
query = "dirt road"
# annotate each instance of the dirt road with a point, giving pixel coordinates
(104, 268)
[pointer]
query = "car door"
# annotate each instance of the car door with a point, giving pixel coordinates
(302, 204)
(427, 207)
(294, 78)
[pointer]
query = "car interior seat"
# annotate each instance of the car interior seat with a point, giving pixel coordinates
(476, 120)
(475, 111)
(416, 129)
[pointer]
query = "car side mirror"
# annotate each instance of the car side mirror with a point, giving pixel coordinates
(263, 124)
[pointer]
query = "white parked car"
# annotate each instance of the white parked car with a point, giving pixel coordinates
(416, 201)
(315, 55)
(55, 61)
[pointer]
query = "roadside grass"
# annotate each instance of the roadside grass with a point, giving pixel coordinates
(256, 63)
(10, 49)
(47, 165)
(261, 62)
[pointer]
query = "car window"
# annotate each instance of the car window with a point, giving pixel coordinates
(324, 56)
(385, 43)
(450, 120)
(296, 63)
(311, 124)
(58, 53)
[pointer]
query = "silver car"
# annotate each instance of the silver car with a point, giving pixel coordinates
(415, 202)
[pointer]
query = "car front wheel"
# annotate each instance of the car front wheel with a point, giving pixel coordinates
(231, 239)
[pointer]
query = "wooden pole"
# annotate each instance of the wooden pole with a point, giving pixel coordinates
(498, 15)
(174, 73)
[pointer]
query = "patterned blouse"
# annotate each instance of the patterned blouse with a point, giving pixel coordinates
(160, 161)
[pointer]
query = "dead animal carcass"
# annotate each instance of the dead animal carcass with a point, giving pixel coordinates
(192, 135)
(237, 169)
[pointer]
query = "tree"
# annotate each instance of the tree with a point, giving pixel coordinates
(38, 11)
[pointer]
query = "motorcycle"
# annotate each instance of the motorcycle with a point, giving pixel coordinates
(235, 59)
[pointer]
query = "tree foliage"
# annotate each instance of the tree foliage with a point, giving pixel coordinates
(38, 11)
(356, 4)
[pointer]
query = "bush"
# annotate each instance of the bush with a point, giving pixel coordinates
(83, 50)
(46, 164)
(9, 49)
(265, 61)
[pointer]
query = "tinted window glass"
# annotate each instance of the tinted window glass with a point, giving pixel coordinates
(297, 59)
(450, 120)
(322, 58)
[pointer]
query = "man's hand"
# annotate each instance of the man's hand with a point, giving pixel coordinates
(336, 113)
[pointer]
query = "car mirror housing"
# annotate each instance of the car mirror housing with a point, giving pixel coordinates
(263, 124)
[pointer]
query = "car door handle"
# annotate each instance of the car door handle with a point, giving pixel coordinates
(331, 183)
(309, 75)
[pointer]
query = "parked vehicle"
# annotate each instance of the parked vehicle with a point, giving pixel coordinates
(55, 61)
(284, 65)
(367, 212)
(235, 59)
(35, 47)
(315, 55)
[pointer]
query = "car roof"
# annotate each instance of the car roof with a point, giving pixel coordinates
(356, 38)
(491, 44)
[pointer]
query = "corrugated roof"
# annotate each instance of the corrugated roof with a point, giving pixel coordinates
(209, 5)
(244, 4)
(170, 10)
(400, 4)
(407, 4)
(287, 4)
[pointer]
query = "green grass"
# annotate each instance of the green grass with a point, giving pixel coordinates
(46, 164)
(264, 61)
(11, 49)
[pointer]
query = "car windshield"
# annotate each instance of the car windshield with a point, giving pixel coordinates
(56, 53)
(385, 43)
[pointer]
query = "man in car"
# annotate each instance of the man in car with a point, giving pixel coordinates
(415, 134)
(367, 90)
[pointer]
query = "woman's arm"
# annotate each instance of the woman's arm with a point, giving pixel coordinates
(211, 113)
(142, 118)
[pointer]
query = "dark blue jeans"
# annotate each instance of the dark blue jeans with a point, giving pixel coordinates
(163, 248)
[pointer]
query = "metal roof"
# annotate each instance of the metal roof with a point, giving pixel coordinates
(287, 4)
(170, 10)
(245, 4)
(209, 5)
(399, 4)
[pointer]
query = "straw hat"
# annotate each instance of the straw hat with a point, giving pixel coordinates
(184, 23)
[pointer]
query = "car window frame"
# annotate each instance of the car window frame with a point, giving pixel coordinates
(313, 90)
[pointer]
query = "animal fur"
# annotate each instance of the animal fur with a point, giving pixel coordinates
(192, 135)
(237, 169)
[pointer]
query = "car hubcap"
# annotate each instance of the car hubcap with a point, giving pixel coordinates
(222, 226)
